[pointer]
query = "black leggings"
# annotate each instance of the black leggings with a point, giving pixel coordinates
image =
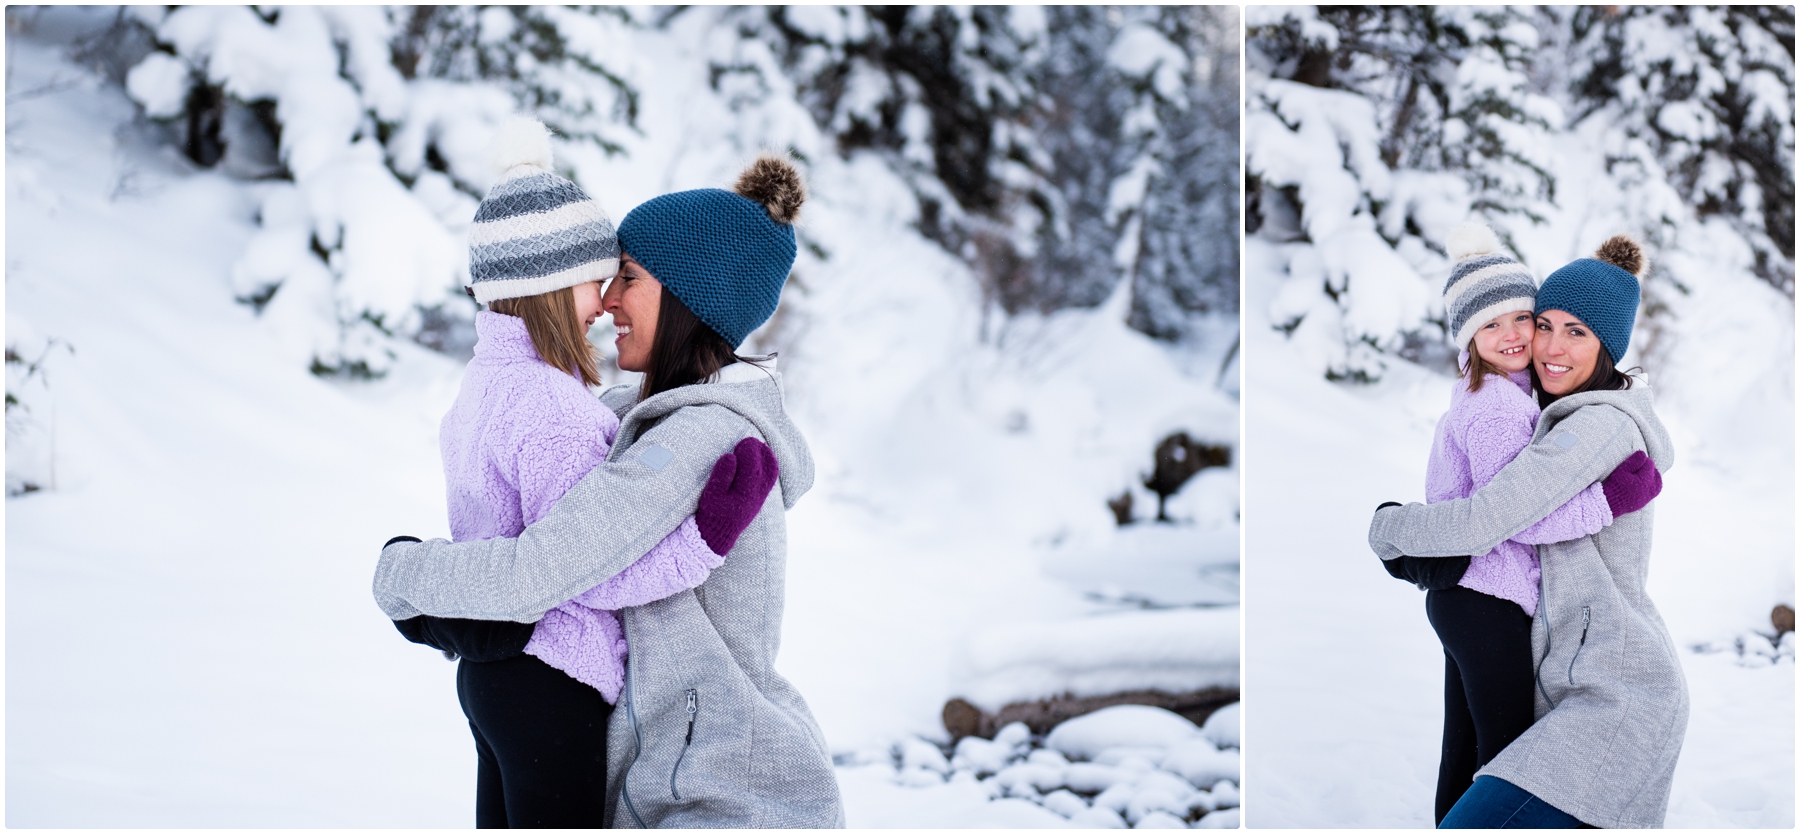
(1487, 683)
(541, 736)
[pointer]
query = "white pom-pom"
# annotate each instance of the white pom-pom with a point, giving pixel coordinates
(521, 140)
(1469, 240)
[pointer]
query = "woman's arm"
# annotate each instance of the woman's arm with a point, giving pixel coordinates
(1494, 440)
(614, 515)
(1582, 449)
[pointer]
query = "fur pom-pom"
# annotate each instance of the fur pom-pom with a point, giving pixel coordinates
(521, 140)
(1623, 252)
(1469, 240)
(774, 182)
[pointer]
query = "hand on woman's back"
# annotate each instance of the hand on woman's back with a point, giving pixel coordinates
(740, 483)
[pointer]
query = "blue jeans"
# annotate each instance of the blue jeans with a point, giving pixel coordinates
(1497, 803)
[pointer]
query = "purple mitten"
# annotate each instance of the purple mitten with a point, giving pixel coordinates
(1632, 485)
(740, 482)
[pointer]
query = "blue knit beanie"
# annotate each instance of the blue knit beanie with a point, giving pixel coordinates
(725, 254)
(1601, 291)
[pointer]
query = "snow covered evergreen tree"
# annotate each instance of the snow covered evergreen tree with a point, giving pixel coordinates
(1709, 92)
(371, 125)
(1060, 151)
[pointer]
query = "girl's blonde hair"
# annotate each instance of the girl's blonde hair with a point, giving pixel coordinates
(556, 331)
(1477, 369)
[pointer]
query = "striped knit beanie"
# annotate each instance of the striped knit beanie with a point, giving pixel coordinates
(725, 254)
(535, 232)
(1484, 283)
(1601, 291)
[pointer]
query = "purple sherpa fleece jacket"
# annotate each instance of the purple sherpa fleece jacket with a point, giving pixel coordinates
(520, 434)
(1480, 434)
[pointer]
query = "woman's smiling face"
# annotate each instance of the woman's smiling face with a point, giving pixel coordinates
(1505, 341)
(1565, 352)
(634, 299)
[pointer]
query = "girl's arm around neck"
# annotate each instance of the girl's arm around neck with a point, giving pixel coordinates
(1582, 449)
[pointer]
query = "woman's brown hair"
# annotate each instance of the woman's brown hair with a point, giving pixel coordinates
(556, 331)
(686, 350)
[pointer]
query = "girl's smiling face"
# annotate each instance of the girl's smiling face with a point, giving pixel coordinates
(634, 299)
(1565, 352)
(1504, 342)
(587, 303)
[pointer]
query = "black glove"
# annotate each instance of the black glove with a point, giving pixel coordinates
(477, 640)
(1430, 574)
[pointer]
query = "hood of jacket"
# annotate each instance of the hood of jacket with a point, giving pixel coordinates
(1636, 403)
(751, 390)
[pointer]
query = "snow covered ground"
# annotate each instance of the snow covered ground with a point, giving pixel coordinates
(1343, 675)
(190, 640)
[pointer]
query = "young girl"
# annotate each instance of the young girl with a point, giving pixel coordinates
(523, 430)
(1482, 607)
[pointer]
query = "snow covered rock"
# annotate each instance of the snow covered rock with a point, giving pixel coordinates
(1088, 777)
(1222, 728)
(1098, 817)
(1132, 759)
(918, 753)
(1160, 819)
(1065, 803)
(1225, 795)
(1155, 800)
(1127, 725)
(1041, 777)
(1116, 798)
(980, 755)
(1221, 819)
(1201, 763)
(1013, 736)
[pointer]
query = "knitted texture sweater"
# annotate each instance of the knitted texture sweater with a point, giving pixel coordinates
(518, 436)
(1480, 434)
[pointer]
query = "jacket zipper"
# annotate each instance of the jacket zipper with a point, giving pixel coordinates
(693, 708)
(637, 733)
(1587, 618)
(1543, 603)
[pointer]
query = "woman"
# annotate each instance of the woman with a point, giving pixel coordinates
(1611, 702)
(706, 733)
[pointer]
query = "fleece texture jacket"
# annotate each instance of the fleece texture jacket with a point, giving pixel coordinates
(518, 436)
(1480, 434)
(706, 734)
(1611, 701)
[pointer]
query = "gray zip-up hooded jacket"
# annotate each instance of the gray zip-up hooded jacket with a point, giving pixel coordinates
(706, 733)
(1612, 703)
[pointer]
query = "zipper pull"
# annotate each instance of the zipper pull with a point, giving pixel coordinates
(693, 708)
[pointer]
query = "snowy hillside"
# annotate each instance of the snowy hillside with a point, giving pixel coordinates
(1344, 675)
(190, 640)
